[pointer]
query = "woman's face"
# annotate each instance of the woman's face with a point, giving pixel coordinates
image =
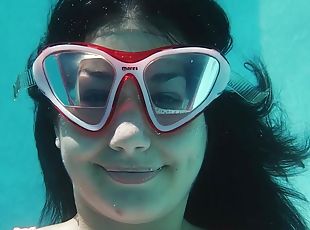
(154, 172)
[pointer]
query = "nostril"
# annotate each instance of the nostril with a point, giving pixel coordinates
(134, 149)
(129, 138)
(117, 148)
(141, 148)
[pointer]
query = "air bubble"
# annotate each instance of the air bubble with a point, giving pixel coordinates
(157, 132)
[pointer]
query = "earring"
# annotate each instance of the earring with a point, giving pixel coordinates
(57, 142)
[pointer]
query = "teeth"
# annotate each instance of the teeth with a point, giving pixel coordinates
(132, 177)
(134, 170)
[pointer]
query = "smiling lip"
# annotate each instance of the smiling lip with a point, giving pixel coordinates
(132, 176)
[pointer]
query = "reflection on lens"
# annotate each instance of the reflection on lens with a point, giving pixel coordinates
(81, 82)
(179, 83)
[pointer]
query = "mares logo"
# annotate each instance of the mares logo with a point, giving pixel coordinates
(129, 68)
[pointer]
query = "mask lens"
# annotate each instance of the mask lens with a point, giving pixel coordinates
(178, 84)
(81, 82)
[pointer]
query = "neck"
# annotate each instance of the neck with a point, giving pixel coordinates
(90, 219)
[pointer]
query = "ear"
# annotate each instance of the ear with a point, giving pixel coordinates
(57, 134)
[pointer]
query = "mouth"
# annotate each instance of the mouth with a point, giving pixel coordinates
(132, 175)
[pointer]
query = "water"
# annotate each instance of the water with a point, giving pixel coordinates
(276, 30)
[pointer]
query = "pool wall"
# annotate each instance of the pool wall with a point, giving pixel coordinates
(278, 31)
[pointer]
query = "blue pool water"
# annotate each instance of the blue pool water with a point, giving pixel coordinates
(275, 30)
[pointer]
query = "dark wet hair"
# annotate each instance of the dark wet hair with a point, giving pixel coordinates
(248, 150)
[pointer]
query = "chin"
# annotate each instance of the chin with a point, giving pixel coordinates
(134, 218)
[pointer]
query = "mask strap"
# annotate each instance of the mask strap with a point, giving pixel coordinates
(247, 90)
(23, 81)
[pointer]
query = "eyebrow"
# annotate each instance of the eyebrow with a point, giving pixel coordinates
(97, 73)
(165, 76)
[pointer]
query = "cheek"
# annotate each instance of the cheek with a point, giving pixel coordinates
(194, 148)
(77, 145)
(185, 153)
(70, 150)
(186, 147)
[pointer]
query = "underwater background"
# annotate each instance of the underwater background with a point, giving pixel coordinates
(277, 31)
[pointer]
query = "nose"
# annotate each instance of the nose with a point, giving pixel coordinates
(129, 138)
(130, 132)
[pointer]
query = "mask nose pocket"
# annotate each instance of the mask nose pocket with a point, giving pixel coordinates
(129, 98)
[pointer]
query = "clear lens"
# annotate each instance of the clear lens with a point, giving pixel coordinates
(81, 82)
(178, 84)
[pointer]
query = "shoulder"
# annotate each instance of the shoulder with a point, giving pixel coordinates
(32, 228)
(68, 225)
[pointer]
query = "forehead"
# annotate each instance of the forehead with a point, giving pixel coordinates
(131, 41)
(133, 36)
